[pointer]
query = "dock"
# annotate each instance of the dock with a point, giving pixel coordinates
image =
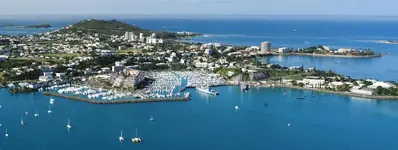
(148, 100)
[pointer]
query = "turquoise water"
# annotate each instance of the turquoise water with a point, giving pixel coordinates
(206, 122)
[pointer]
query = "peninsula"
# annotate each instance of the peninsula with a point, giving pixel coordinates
(27, 26)
(324, 51)
(96, 60)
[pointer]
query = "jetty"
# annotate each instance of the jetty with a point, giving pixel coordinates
(148, 100)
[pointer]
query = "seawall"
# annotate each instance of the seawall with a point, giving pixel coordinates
(149, 100)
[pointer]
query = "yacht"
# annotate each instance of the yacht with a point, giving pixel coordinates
(52, 101)
(6, 134)
(136, 139)
(36, 114)
(236, 108)
(22, 122)
(207, 91)
(151, 119)
(49, 110)
(121, 139)
(68, 125)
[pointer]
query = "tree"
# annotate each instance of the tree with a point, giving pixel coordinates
(294, 82)
(301, 84)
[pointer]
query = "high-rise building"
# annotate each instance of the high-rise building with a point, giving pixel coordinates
(126, 36)
(153, 35)
(132, 36)
(141, 36)
(265, 46)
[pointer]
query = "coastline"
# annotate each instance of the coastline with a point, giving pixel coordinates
(373, 97)
(328, 55)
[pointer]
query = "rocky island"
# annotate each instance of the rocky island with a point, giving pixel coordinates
(27, 26)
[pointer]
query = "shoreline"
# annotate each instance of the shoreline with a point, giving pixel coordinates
(372, 97)
(327, 55)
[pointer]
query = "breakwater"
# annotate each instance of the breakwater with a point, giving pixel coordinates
(168, 99)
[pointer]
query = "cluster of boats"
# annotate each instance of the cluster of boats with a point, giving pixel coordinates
(165, 85)
(201, 78)
(93, 93)
(54, 87)
(36, 115)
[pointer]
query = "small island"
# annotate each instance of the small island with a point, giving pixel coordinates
(27, 26)
(325, 51)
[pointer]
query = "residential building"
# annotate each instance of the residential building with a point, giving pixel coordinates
(265, 47)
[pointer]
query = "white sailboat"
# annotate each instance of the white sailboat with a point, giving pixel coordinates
(121, 139)
(6, 134)
(52, 101)
(49, 110)
(151, 119)
(136, 139)
(68, 125)
(22, 122)
(36, 114)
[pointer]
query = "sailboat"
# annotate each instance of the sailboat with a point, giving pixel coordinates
(52, 101)
(121, 139)
(151, 119)
(36, 114)
(49, 109)
(22, 122)
(68, 125)
(136, 139)
(6, 134)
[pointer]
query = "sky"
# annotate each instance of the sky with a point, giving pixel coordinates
(201, 7)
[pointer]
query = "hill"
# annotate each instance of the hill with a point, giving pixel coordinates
(113, 27)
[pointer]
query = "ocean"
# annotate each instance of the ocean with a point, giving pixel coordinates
(281, 33)
(321, 121)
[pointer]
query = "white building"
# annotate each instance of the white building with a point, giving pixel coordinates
(47, 76)
(141, 36)
(209, 52)
(265, 46)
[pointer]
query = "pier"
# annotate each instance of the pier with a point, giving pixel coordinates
(168, 99)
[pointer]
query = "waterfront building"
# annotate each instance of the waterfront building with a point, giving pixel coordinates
(265, 47)
(47, 76)
(284, 49)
